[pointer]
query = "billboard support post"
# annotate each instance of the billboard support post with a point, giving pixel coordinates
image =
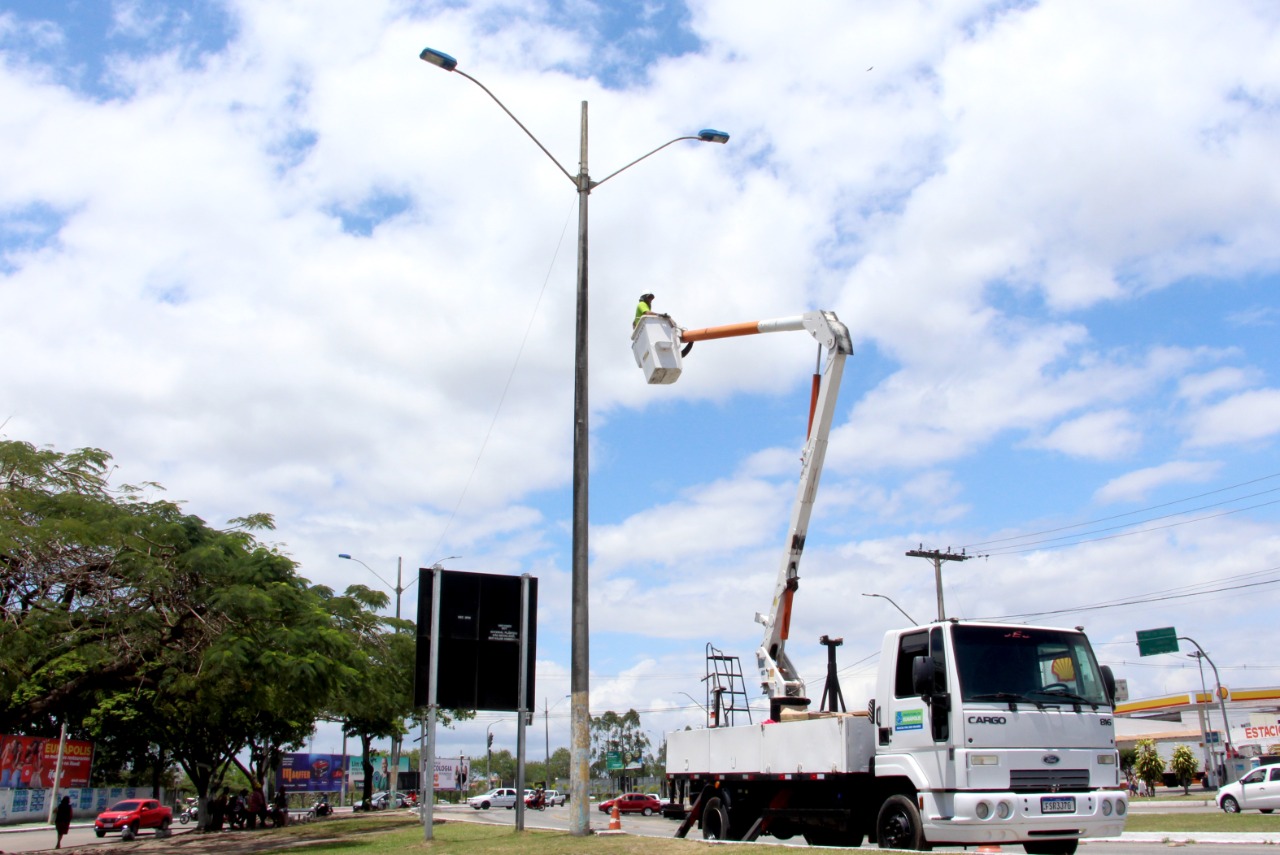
(522, 712)
(429, 729)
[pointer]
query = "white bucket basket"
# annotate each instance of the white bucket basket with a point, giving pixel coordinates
(656, 347)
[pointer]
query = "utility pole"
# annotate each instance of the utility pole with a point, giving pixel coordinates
(937, 558)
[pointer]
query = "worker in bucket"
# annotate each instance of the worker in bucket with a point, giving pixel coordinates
(644, 307)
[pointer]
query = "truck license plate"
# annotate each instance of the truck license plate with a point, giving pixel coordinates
(1058, 804)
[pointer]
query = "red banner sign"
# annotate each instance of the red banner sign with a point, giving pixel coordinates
(29, 762)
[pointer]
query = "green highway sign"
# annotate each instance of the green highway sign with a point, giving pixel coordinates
(1153, 641)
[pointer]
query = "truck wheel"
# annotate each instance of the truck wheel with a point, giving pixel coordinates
(898, 825)
(1230, 805)
(99, 832)
(163, 831)
(1051, 847)
(715, 820)
(129, 832)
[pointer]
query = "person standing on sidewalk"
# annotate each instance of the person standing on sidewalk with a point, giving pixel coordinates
(62, 819)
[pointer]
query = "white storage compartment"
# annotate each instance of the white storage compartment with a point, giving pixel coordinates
(656, 347)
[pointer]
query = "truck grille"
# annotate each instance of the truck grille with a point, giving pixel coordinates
(1049, 780)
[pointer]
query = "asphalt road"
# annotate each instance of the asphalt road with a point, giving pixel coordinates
(27, 839)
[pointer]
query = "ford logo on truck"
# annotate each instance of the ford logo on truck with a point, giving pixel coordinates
(987, 719)
(1050, 759)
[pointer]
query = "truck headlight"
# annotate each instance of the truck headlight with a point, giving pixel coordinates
(1121, 807)
(1106, 807)
(984, 759)
(1004, 810)
(983, 810)
(1106, 759)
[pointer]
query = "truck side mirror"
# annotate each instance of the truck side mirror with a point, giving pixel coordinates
(922, 676)
(1109, 681)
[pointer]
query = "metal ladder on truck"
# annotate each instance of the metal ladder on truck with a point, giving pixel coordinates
(726, 689)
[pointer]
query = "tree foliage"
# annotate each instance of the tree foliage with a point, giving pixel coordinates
(140, 625)
(1184, 766)
(1148, 765)
(617, 732)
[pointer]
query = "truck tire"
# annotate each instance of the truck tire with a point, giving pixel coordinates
(129, 832)
(163, 830)
(1051, 847)
(715, 820)
(898, 825)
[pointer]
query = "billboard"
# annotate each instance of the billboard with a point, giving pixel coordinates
(381, 761)
(479, 637)
(453, 773)
(318, 773)
(29, 762)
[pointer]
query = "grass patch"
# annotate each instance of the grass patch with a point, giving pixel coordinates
(1218, 821)
(465, 838)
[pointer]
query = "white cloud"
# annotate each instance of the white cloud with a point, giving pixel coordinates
(1100, 436)
(1136, 486)
(1247, 417)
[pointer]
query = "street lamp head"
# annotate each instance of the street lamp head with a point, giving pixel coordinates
(445, 61)
(344, 555)
(708, 134)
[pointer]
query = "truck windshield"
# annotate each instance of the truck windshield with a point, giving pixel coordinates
(1038, 666)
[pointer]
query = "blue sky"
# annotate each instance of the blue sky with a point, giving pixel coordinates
(268, 258)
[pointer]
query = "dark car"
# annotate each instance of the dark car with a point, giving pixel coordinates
(131, 816)
(643, 803)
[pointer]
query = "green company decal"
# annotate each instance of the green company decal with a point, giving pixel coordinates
(908, 720)
(613, 761)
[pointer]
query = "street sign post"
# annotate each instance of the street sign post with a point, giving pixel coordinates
(1154, 641)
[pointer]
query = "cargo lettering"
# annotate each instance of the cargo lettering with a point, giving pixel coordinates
(988, 719)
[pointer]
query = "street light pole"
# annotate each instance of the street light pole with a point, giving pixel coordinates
(580, 657)
(1222, 703)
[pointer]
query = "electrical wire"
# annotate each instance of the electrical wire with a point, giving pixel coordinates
(976, 547)
(437, 549)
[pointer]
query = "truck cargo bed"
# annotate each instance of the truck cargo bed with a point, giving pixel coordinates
(818, 744)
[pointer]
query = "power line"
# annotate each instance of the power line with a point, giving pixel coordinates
(975, 546)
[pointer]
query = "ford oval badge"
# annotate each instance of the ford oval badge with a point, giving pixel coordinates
(1050, 759)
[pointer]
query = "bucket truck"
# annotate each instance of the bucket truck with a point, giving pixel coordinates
(978, 733)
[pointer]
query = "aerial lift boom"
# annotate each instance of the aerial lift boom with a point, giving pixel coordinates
(778, 676)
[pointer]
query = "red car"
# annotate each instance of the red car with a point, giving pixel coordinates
(633, 803)
(131, 815)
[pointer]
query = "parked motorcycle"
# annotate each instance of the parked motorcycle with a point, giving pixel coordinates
(189, 811)
(321, 807)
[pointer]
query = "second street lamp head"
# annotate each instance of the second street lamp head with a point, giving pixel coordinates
(712, 135)
(439, 58)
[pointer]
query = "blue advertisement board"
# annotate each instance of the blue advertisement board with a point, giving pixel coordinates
(317, 773)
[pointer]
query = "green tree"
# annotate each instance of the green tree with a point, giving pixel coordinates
(612, 732)
(1184, 766)
(1148, 765)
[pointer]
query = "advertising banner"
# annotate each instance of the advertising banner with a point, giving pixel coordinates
(317, 773)
(28, 762)
(381, 769)
(452, 773)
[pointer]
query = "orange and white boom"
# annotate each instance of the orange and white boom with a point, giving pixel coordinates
(777, 675)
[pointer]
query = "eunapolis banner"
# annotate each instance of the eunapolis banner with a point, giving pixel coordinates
(29, 762)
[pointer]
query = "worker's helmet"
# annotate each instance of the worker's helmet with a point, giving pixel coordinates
(647, 298)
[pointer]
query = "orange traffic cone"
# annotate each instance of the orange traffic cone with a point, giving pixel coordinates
(989, 848)
(615, 819)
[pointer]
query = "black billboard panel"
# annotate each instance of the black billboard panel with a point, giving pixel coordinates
(479, 663)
